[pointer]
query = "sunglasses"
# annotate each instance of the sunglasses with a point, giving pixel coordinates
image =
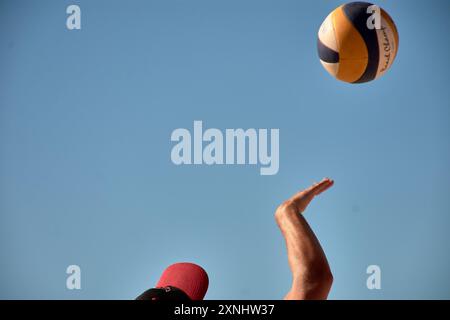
(168, 293)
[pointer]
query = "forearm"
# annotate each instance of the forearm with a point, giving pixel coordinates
(311, 275)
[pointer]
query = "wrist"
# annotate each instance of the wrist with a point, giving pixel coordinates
(286, 211)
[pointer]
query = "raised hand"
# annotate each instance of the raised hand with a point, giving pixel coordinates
(301, 199)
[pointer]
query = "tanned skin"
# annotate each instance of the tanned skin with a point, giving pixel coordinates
(311, 274)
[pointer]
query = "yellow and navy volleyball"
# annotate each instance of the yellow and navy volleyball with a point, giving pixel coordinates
(357, 42)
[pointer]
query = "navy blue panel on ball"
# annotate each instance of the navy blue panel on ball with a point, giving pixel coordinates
(327, 54)
(357, 14)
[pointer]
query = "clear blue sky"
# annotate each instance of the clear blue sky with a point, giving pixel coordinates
(85, 170)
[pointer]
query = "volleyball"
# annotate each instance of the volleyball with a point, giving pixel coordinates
(357, 42)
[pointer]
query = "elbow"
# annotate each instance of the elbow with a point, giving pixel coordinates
(320, 275)
(322, 282)
(326, 279)
(323, 276)
(315, 283)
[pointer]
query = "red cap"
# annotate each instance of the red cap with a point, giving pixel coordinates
(189, 277)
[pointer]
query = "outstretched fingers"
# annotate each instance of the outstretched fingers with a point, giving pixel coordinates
(323, 185)
(314, 190)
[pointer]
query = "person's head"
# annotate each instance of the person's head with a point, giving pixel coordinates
(180, 281)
